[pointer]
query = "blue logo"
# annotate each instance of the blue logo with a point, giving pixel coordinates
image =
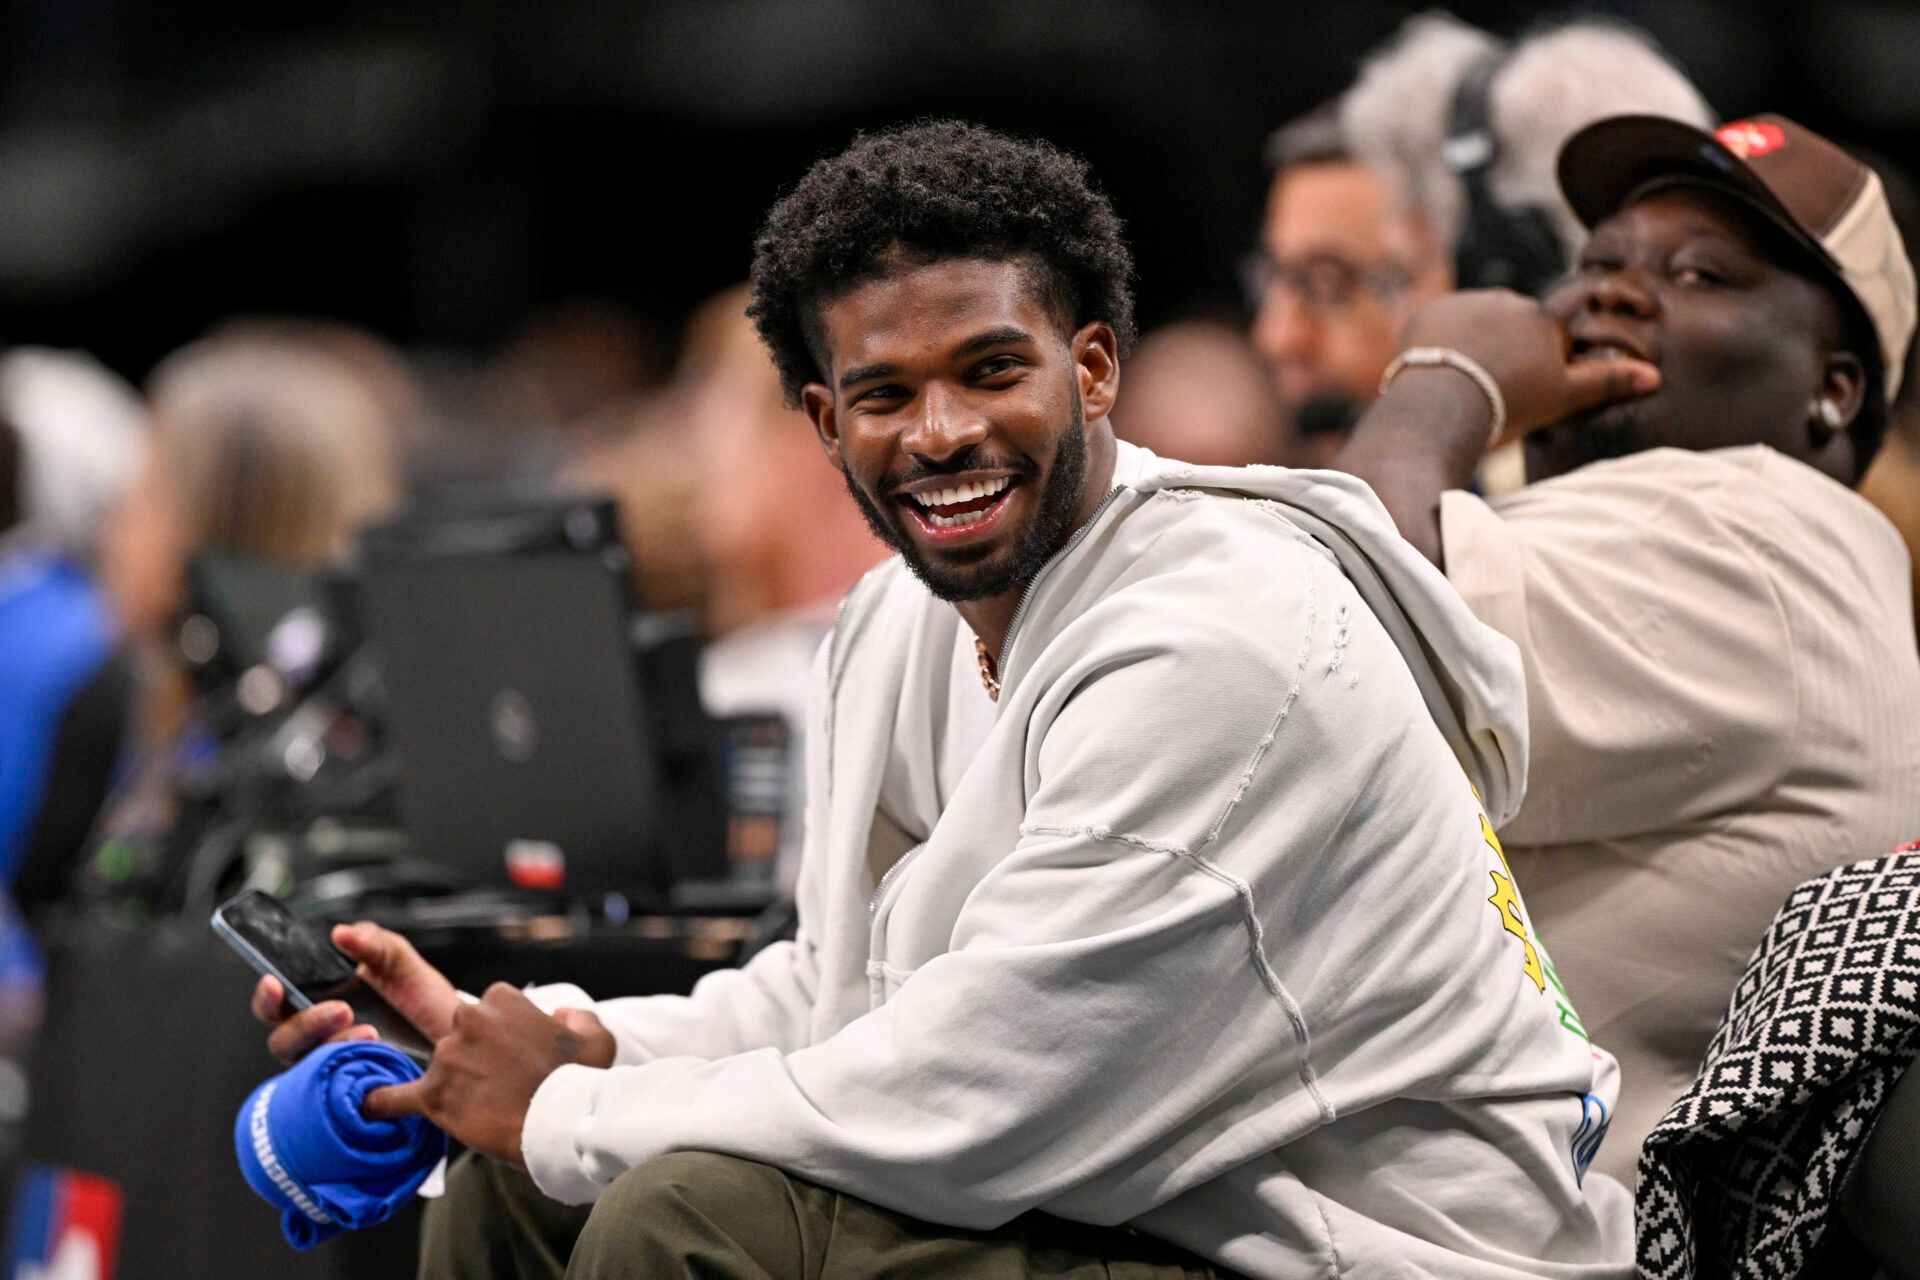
(1594, 1119)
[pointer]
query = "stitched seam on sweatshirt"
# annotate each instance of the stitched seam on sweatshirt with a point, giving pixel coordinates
(1333, 1250)
(1250, 920)
(1273, 730)
(881, 969)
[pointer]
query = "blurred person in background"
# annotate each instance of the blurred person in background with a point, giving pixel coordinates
(781, 540)
(383, 374)
(263, 446)
(641, 453)
(1197, 391)
(71, 439)
(570, 362)
(267, 447)
(566, 387)
(1434, 171)
(1723, 690)
(1343, 261)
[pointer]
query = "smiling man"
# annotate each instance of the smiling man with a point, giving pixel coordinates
(976, 533)
(1721, 681)
(1150, 921)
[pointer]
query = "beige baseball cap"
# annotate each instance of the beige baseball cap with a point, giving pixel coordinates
(1823, 198)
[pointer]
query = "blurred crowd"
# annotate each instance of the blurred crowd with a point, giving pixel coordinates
(278, 439)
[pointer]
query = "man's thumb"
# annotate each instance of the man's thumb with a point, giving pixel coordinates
(578, 1021)
(395, 1100)
(596, 1047)
(1596, 383)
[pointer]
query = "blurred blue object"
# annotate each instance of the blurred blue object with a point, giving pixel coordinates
(55, 635)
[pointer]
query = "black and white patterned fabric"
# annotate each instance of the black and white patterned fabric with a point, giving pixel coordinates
(1739, 1177)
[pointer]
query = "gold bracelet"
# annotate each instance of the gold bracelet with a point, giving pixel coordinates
(1461, 362)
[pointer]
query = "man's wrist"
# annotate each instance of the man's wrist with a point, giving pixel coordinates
(1443, 403)
(1422, 437)
(1458, 362)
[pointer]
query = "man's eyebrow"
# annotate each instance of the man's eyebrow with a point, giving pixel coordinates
(1002, 336)
(862, 372)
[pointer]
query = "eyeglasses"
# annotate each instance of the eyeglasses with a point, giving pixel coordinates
(1321, 282)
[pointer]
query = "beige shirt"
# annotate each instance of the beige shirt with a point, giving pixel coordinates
(1724, 699)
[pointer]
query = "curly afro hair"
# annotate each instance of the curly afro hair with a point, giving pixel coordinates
(934, 190)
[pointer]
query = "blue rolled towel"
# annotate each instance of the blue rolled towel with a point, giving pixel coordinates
(306, 1149)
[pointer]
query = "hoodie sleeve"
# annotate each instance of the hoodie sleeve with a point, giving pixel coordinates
(1106, 1015)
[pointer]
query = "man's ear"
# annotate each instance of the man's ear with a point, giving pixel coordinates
(817, 399)
(1096, 359)
(1843, 384)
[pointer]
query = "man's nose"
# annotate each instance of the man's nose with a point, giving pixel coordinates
(1284, 329)
(1622, 291)
(945, 424)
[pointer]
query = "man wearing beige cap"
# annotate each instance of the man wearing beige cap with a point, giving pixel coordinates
(1723, 692)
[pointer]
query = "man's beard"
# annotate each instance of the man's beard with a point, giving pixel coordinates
(1049, 530)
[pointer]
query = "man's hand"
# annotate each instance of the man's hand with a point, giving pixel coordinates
(486, 1068)
(1427, 433)
(1525, 349)
(386, 962)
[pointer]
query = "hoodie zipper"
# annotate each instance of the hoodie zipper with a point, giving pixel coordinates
(880, 890)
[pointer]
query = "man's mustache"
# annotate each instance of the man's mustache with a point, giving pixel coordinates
(970, 460)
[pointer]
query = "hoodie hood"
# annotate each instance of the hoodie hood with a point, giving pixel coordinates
(1468, 673)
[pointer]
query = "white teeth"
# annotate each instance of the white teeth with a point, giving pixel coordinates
(954, 522)
(961, 493)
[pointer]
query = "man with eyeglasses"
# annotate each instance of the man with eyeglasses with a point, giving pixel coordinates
(1341, 265)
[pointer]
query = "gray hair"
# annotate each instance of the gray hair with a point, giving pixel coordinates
(81, 434)
(1554, 83)
(1306, 139)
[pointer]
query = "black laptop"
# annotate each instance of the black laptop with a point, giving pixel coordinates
(515, 698)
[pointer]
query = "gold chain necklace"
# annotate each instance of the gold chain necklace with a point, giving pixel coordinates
(988, 676)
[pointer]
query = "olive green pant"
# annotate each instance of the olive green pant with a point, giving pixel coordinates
(697, 1214)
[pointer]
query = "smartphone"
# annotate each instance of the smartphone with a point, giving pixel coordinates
(311, 969)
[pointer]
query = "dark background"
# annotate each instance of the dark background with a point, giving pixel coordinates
(442, 171)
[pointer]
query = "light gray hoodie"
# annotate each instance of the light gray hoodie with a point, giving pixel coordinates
(1212, 937)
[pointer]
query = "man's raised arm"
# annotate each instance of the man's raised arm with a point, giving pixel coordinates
(1434, 421)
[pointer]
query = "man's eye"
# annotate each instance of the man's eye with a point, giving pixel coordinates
(1694, 274)
(874, 397)
(993, 366)
(1327, 282)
